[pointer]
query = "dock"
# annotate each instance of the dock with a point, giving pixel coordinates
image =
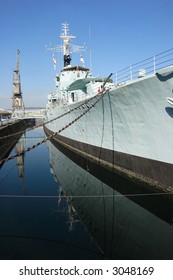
(10, 132)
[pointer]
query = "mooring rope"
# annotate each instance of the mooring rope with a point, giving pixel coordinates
(85, 196)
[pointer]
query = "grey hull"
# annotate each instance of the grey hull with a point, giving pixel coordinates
(131, 127)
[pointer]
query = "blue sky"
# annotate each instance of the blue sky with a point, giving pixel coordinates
(121, 33)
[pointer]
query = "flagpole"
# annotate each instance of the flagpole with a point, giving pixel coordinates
(82, 60)
(54, 61)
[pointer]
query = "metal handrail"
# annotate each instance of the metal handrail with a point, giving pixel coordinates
(145, 67)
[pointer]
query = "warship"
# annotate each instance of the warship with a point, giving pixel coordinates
(124, 122)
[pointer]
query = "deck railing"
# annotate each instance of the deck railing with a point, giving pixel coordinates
(145, 67)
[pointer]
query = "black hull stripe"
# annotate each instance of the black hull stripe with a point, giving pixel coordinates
(152, 172)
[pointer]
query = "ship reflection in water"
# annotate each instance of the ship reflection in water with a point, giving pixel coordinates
(57, 205)
(127, 220)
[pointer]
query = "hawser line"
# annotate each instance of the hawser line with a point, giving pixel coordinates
(83, 196)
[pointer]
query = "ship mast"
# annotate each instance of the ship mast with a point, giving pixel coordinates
(17, 103)
(67, 48)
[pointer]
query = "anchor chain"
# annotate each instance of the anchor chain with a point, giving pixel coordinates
(100, 96)
(40, 125)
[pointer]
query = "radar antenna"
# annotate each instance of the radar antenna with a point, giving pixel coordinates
(66, 48)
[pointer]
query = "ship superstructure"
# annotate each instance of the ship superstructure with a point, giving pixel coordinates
(74, 83)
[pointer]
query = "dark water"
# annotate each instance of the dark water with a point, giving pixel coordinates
(55, 205)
